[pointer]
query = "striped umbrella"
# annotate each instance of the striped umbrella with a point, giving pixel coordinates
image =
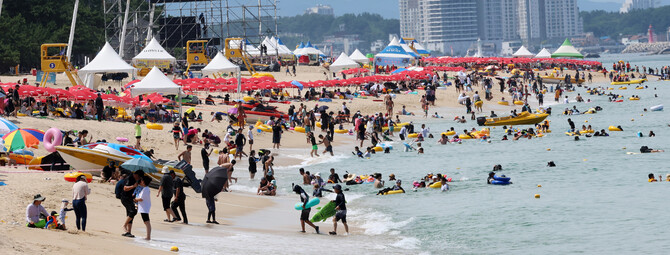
(23, 138)
(7, 126)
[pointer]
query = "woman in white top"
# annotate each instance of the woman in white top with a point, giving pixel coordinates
(143, 200)
(80, 191)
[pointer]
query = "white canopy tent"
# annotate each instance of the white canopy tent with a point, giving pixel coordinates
(343, 62)
(219, 64)
(154, 52)
(358, 56)
(106, 61)
(544, 53)
(283, 50)
(155, 82)
(523, 52)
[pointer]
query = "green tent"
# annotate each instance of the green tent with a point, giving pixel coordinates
(567, 51)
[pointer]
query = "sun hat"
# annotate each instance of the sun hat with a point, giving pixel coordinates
(165, 170)
(39, 197)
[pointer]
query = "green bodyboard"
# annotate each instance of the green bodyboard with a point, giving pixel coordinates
(325, 212)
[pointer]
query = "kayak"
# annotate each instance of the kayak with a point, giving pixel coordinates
(629, 82)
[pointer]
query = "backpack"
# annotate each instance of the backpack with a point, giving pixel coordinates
(118, 189)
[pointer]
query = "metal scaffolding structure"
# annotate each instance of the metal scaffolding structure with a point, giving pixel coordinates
(174, 22)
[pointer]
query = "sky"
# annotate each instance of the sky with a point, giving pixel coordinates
(389, 8)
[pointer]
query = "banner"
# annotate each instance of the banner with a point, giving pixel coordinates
(51, 78)
(146, 63)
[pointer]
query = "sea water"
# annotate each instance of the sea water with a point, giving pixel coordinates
(596, 200)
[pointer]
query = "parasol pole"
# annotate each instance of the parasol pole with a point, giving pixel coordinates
(74, 22)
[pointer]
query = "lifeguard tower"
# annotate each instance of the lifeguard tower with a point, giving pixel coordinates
(235, 51)
(54, 60)
(196, 53)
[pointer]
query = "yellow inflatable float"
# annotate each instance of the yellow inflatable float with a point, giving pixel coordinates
(479, 103)
(590, 131)
(449, 133)
(299, 129)
(341, 131)
(634, 98)
(623, 88)
(518, 102)
(503, 103)
(613, 128)
(413, 135)
(154, 126)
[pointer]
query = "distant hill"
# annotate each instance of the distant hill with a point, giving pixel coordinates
(369, 27)
(612, 24)
(587, 5)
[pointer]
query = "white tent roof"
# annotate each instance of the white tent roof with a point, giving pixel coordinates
(155, 81)
(248, 47)
(154, 51)
(544, 53)
(523, 52)
(407, 49)
(358, 56)
(393, 50)
(283, 50)
(107, 61)
(309, 49)
(219, 64)
(567, 50)
(343, 62)
(270, 43)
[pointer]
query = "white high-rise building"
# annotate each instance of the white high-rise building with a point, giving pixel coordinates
(443, 25)
(411, 19)
(447, 25)
(635, 5)
(562, 18)
(320, 9)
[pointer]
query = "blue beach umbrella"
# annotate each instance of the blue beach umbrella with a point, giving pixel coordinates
(7, 126)
(297, 84)
(135, 164)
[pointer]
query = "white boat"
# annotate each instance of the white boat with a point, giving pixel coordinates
(93, 157)
(656, 108)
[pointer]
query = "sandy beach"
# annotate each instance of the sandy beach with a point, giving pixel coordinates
(234, 208)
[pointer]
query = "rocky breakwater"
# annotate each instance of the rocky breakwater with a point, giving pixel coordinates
(647, 47)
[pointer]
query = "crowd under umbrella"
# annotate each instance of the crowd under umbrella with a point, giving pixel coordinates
(7, 126)
(136, 164)
(23, 138)
(213, 181)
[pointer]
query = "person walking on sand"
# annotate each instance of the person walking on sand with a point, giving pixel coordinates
(80, 192)
(127, 199)
(304, 214)
(165, 192)
(99, 107)
(276, 135)
(143, 200)
(315, 147)
(389, 105)
(186, 155)
(138, 134)
(340, 206)
(179, 198)
(205, 156)
(176, 135)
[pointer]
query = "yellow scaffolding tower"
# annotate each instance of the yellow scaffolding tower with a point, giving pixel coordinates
(196, 53)
(236, 51)
(54, 60)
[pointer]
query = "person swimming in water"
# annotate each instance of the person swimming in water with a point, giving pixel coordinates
(645, 149)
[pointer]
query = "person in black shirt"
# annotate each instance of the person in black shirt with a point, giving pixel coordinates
(334, 177)
(304, 215)
(99, 107)
(205, 156)
(240, 141)
(127, 200)
(340, 203)
(107, 171)
(252, 164)
(179, 198)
